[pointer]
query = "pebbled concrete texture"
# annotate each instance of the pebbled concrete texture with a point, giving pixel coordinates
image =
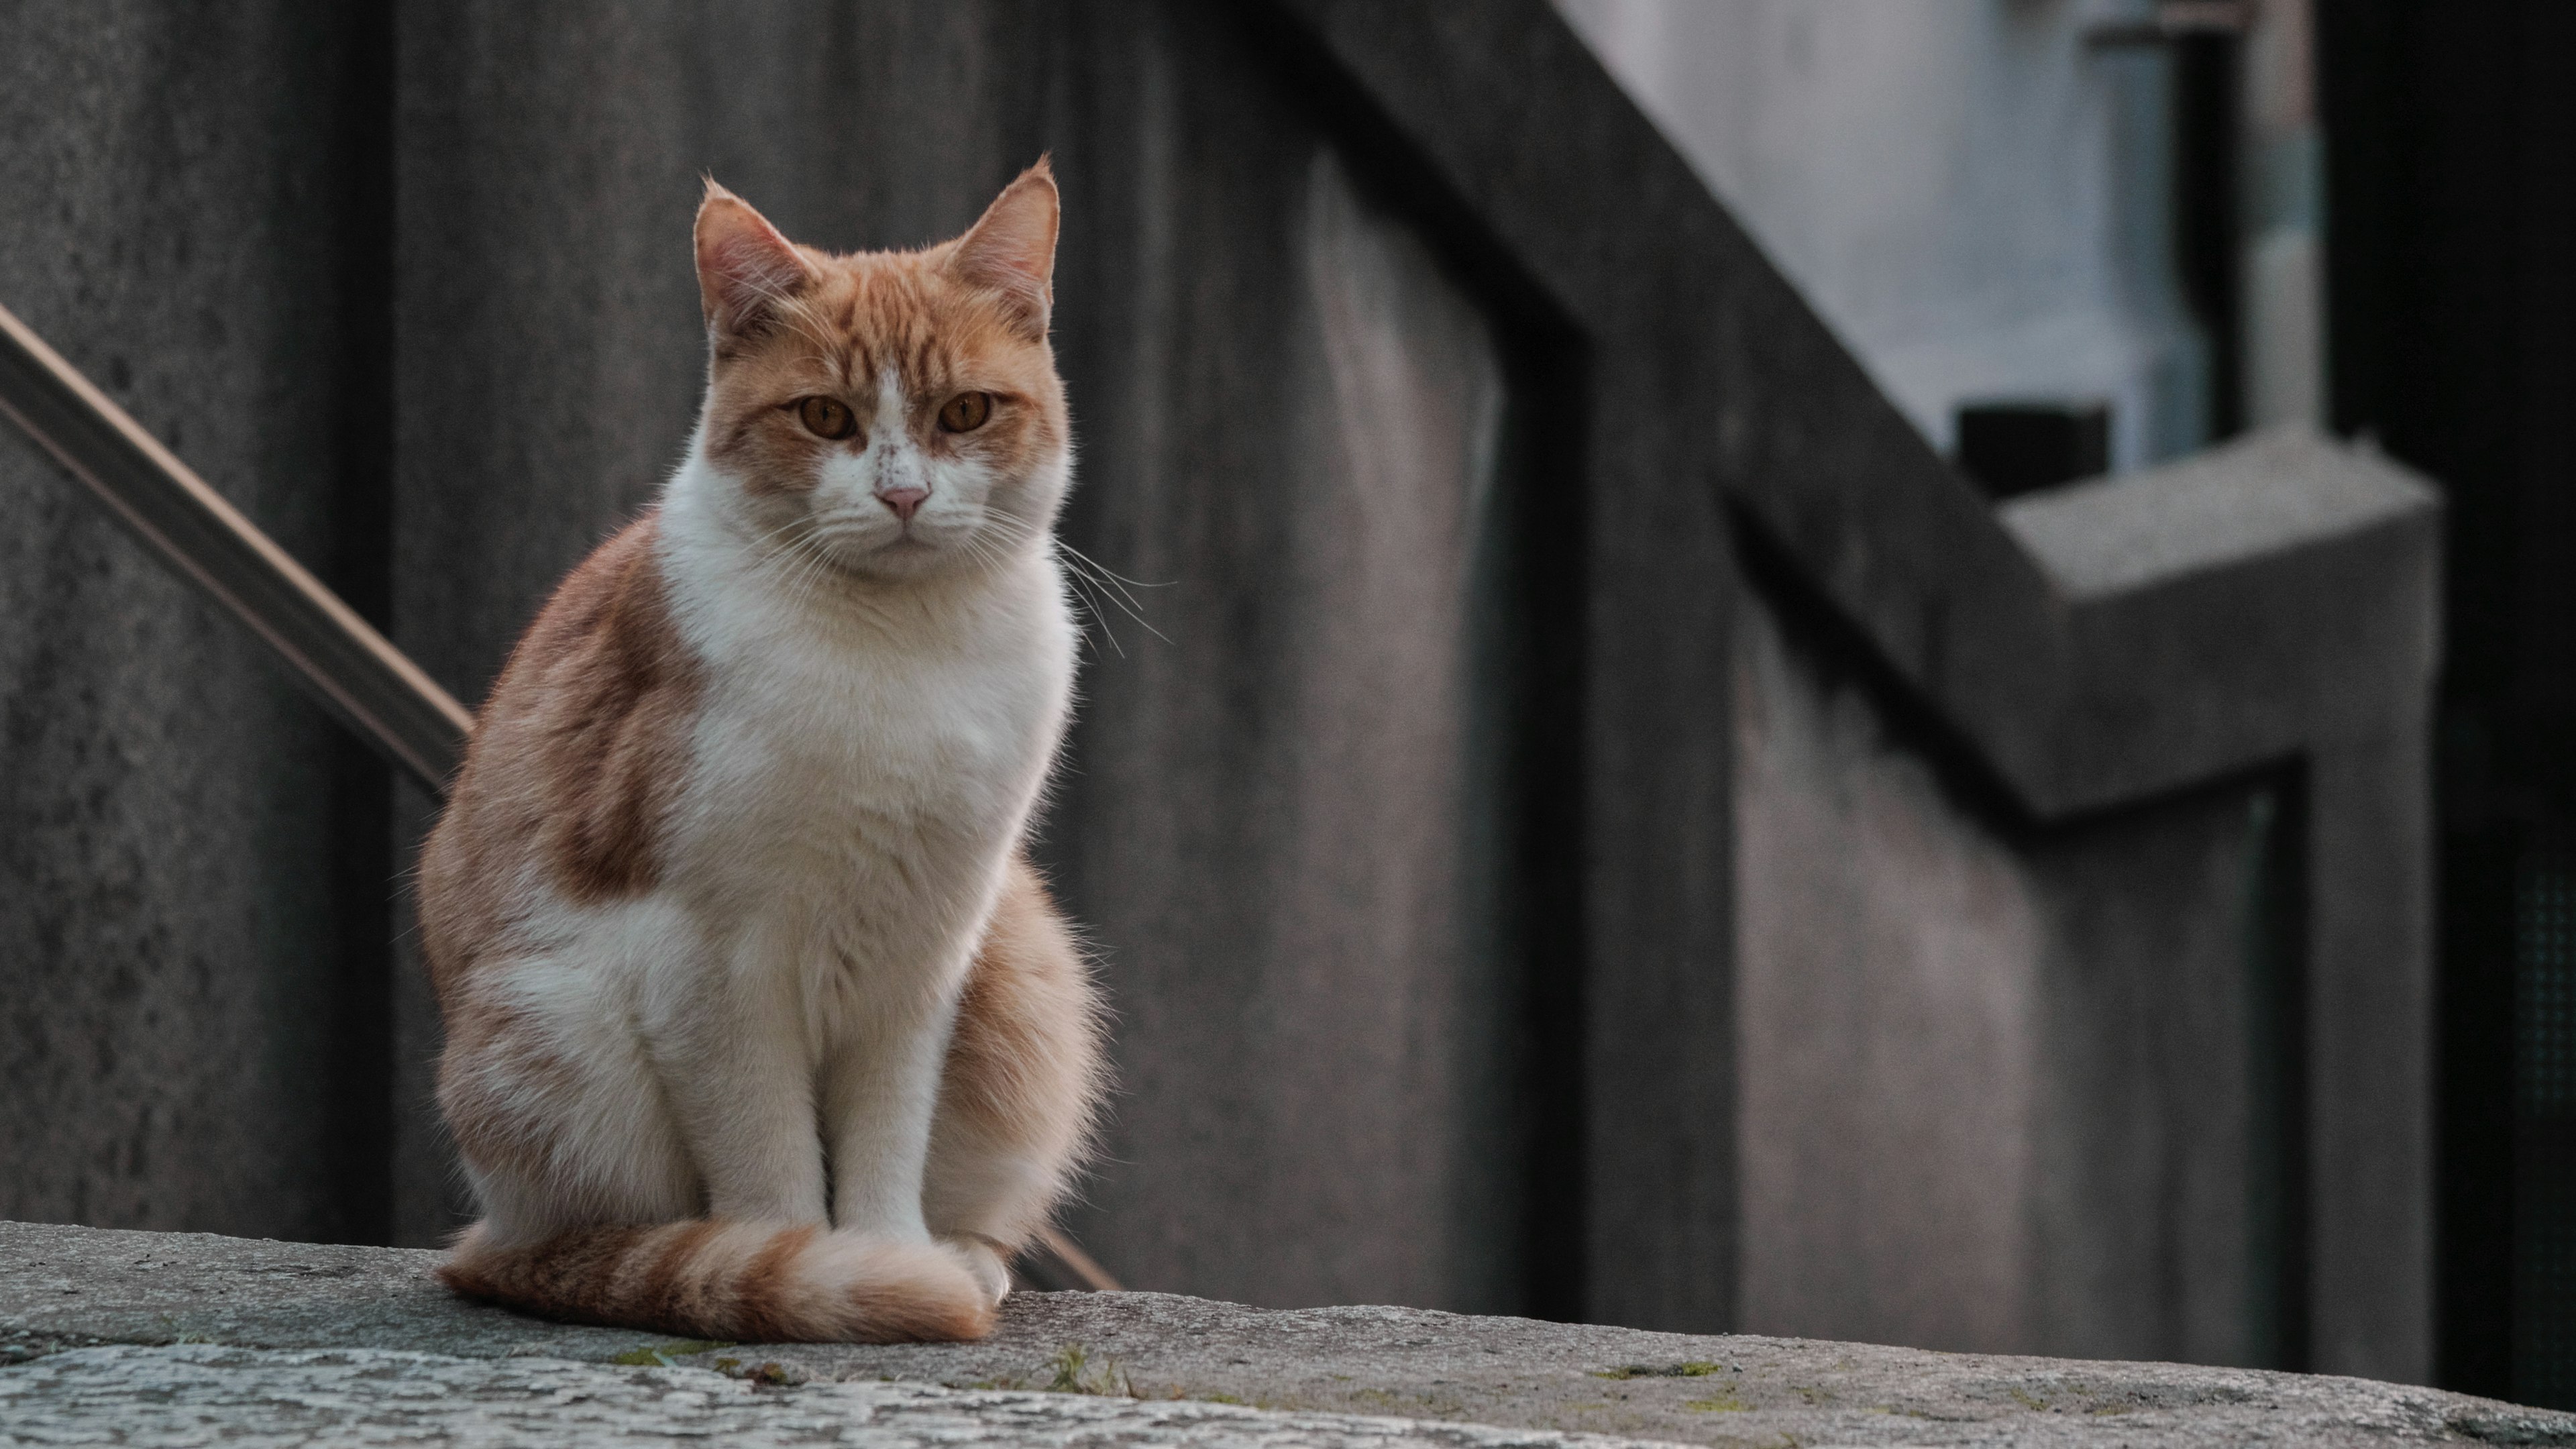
(122, 1337)
(186, 1393)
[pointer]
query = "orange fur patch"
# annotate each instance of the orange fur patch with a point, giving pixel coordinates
(1027, 1063)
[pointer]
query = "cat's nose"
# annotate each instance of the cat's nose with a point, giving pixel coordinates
(902, 500)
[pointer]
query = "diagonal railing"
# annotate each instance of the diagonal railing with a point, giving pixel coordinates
(339, 658)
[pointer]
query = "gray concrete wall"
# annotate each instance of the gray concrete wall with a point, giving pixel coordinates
(2269, 604)
(1280, 812)
(2146, 1078)
(192, 867)
(2007, 1088)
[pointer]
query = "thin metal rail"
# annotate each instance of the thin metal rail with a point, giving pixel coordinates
(340, 659)
(353, 671)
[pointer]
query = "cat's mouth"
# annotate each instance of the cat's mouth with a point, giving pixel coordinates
(870, 549)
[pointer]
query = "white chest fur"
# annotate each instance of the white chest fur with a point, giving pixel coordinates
(865, 756)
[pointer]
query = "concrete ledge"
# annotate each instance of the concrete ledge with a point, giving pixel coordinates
(120, 1337)
(188, 1393)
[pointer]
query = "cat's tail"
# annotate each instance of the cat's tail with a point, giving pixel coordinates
(739, 1281)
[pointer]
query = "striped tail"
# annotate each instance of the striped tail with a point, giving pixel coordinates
(744, 1282)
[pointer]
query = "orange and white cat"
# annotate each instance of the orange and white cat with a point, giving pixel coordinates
(760, 1026)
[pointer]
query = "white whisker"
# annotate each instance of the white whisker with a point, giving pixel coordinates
(1077, 565)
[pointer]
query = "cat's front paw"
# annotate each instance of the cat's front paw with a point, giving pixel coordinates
(983, 1258)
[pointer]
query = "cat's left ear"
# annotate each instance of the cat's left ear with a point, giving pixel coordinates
(1011, 251)
(746, 270)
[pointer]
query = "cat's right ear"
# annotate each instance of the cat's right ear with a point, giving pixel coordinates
(1011, 251)
(746, 270)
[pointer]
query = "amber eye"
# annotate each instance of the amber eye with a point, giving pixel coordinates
(826, 418)
(966, 412)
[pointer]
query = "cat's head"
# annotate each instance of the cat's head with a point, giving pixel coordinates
(894, 413)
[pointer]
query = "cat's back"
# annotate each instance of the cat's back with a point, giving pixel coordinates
(576, 758)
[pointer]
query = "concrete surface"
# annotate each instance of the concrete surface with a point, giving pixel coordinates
(2008, 1088)
(2316, 654)
(350, 1396)
(2015, 1083)
(194, 873)
(115, 1337)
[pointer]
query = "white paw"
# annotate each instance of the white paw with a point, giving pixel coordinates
(984, 1261)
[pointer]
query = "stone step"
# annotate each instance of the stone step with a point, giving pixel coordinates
(128, 1337)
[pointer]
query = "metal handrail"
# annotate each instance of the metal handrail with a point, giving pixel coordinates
(341, 660)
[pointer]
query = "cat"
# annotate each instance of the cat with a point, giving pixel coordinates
(760, 1024)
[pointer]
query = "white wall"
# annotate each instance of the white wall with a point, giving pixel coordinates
(1973, 197)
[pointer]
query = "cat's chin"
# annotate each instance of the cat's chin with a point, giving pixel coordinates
(899, 559)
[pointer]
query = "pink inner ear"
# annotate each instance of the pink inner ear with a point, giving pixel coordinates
(744, 265)
(1012, 249)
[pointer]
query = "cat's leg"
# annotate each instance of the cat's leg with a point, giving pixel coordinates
(1022, 1084)
(880, 1086)
(549, 1147)
(593, 1104)
(725, 1029)
(555, 1106)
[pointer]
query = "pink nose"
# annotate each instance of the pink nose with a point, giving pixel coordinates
(903, 500)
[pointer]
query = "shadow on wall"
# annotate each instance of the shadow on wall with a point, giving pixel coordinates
(2007, 1088)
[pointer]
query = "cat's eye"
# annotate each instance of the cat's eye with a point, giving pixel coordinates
(966, 412)
(827, 417)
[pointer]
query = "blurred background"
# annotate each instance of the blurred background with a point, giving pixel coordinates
(1883, 669)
